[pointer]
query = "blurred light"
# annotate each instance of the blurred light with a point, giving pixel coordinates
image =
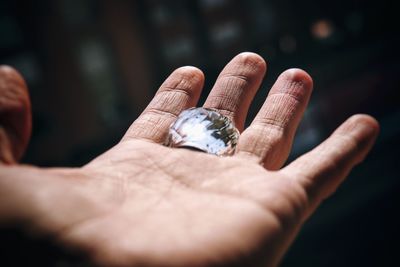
(226, 33)
(76, 13)
(322, 29)
(93, 57)
(210, 4)
(160, 15)
(27, 63)
(287, 44)
(178, 48)
(97, 69)
(264, 18)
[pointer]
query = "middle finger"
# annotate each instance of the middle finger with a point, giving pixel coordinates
(236, 86)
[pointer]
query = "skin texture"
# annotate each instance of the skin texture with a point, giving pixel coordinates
(143, 204)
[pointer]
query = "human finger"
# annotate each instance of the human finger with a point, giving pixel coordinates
(236, 86)
(321, 170)
(15, 115)
(180, 91)
(269, 138)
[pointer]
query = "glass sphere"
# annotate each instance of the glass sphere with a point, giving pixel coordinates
(205, 130)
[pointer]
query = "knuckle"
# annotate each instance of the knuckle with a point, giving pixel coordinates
(272, 126)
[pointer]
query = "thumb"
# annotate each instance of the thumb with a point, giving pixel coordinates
(15, 115)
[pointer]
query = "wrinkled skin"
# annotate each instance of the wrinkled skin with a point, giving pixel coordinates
(144, 204)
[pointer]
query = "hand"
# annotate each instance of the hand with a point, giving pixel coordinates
(144, 204)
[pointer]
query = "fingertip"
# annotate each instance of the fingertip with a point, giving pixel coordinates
(362, 130)
(250, 58)
(294, 82)
(191, 72)
(187, 78)
(7, 69)
(299, 76)
(366, 121)
(364, 127)
(9, 73)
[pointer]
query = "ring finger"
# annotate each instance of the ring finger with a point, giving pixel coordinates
(269, 138)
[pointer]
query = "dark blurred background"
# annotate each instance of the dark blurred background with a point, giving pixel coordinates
(92, 66)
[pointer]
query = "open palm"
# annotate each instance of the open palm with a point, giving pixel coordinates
(144, 204)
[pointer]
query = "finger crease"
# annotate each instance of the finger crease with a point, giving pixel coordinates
(288, 94)
(244, 78)
(271, 122)
(161, 113)
(185, 91)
